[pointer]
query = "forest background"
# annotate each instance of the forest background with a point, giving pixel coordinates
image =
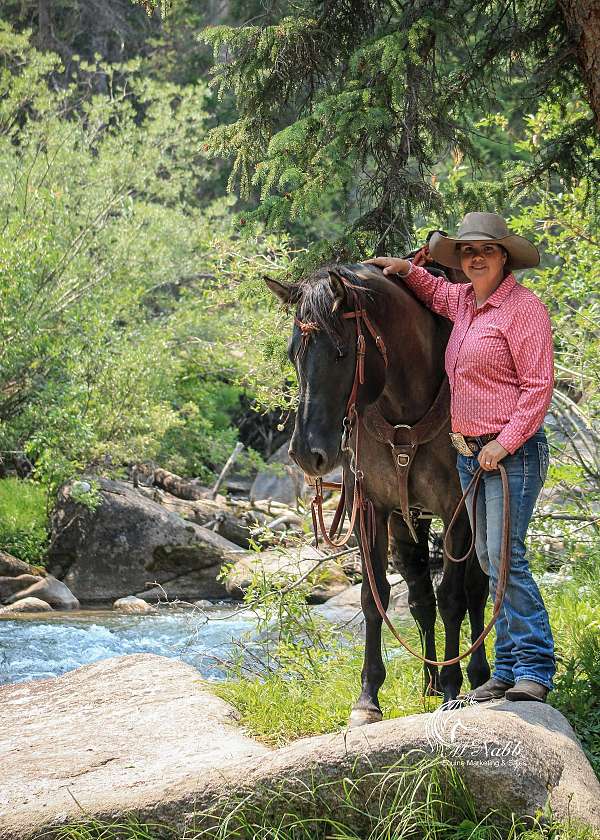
(154, 166)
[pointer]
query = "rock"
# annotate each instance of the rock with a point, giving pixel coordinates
(131, 541)
(216, 514)
(98, 760)
(10, 585)
(11, 566)
(284, 482)
(26, 605)
(50, 590)
(346, 608)
(292, 563)
(154, 595)
(131, 604)
(351, 597)
(203, 604)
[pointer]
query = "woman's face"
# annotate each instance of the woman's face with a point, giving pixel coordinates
(482, 262)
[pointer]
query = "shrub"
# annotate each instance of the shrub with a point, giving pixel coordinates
(23, 520)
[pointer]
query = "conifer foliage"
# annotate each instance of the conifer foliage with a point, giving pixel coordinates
(359, 102)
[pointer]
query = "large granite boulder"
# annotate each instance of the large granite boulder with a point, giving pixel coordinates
(140, 735)
(130, 542)
(282, 481)
(48, 589)
(288, 564)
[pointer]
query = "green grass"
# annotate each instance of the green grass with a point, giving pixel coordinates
(23, 519)
(297, 700)
(574, 610)
(285, 705)
(419, 799)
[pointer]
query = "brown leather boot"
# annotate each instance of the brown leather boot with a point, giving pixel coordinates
(527, 690)
(493, 689)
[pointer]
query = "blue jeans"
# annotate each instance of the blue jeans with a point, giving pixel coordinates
(524, 643)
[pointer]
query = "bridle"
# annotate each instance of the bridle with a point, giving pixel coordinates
(349, 423)
(403, 453)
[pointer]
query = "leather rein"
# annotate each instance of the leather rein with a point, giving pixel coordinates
(403, 453)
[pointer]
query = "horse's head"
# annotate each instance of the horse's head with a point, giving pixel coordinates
(323, 349)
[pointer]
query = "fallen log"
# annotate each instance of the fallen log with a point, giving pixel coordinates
(177, 486)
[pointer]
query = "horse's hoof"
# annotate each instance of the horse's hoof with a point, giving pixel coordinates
(362, 717)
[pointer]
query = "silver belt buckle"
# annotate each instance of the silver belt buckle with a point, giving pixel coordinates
(460, 444)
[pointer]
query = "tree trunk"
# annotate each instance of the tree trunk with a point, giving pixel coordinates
(582, 18)
(45, 34)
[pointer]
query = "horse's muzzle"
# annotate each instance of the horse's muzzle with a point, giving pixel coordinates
(315, 461)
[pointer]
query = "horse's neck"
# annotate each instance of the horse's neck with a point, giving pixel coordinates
(415, 342)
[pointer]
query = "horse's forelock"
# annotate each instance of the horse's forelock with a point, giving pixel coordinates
(317, 299)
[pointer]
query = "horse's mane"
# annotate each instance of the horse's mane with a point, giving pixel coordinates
(316, 297)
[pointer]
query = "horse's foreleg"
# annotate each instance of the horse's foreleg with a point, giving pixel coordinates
(367, 709)
(476, 588)
(412, 561)
(452, 604)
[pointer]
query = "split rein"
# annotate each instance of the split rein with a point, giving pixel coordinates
(362, 507)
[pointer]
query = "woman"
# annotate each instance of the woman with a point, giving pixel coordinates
(499, 361)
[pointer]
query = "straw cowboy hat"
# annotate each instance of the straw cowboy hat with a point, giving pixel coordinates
(484, 227)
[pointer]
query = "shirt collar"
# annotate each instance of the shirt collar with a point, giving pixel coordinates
(502, 292)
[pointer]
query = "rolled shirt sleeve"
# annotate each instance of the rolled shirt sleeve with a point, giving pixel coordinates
(529, 337)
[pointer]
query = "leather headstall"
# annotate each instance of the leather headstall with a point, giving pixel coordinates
(403, 440)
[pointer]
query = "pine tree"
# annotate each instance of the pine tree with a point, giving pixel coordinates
(359, 102)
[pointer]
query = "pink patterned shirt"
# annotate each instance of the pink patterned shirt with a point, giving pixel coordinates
(499, 358)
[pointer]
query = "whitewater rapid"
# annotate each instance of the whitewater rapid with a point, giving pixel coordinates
(42, 646)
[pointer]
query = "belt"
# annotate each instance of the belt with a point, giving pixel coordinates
(468, 445)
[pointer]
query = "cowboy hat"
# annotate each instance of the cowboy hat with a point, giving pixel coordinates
(484, 227)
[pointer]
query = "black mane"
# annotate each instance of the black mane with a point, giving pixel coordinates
(316, 297)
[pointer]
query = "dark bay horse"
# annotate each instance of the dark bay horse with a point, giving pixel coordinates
(403, 391)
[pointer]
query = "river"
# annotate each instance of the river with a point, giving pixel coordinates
(49, 644)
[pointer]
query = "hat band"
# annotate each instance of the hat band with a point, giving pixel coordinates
(469, 235)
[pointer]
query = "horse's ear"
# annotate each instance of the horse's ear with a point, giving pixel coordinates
(337, 289)
(280, 290)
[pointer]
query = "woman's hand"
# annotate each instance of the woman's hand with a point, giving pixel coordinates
(390, 265)
(489, 456)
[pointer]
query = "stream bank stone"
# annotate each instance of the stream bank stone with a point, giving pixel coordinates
(26, 605)
(141, 735)
(288, 564)
(50, 590)
(130, 542)
(133, 606)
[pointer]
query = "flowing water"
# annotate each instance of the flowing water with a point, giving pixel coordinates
(49, 644)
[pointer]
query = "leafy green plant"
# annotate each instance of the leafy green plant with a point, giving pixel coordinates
(86, 493)
(23, 520)
(575, 619)
(124, 295)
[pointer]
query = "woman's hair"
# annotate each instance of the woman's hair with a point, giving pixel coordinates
(507, 269)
